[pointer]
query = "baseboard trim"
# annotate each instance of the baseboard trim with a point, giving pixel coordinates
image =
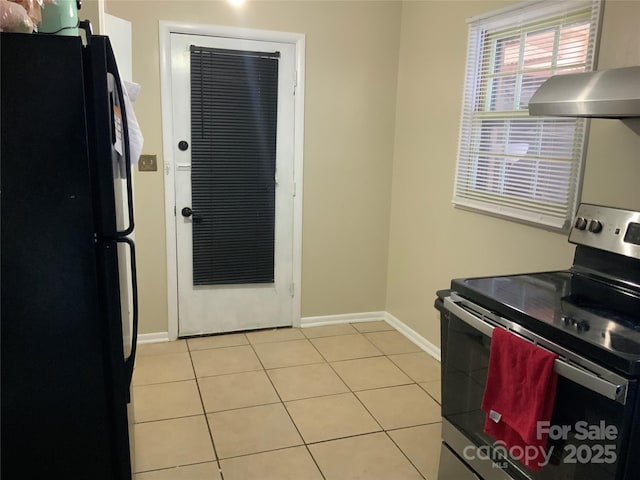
(414, 336)
(401, 327)
(318, 321)
(342, 318)
(157, 337)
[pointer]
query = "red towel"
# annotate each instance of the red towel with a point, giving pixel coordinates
(520, 392)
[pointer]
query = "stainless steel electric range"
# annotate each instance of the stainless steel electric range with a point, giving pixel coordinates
(590, 316)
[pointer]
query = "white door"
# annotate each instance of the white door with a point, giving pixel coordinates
(218, 305)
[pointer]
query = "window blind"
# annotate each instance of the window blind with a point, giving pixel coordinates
(234, 116)
(509, 164)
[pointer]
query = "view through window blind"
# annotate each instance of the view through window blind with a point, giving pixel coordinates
(510, 164)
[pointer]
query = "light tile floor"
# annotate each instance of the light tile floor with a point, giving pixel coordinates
(343, 402)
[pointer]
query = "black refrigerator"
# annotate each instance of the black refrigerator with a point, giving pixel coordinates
(68, 284)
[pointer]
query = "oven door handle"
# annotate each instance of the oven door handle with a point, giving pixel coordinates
(587, 379)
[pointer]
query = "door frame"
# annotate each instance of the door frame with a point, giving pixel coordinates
(166, 28)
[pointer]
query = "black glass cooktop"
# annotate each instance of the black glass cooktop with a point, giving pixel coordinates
(577, 312)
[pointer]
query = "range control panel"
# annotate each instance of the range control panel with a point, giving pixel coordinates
(612, 229)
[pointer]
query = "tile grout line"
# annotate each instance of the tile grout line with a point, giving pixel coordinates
(287, 410)
(168, 468)
(350, 391)
(383, 430)
(283, 403)
(206, 418)
(170, 418)
(405, 455)
(425, 391)
(164, 383)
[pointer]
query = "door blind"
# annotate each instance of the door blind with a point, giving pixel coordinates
(234, 99)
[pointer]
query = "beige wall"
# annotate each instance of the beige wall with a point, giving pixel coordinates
(90, 10)
(351, 55)
(432, 242)
(383, 99)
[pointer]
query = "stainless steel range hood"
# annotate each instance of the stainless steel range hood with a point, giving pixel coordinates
(613, 93)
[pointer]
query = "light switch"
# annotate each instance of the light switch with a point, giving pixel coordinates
(148, 163)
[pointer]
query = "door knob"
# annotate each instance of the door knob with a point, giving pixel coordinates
(187, 212)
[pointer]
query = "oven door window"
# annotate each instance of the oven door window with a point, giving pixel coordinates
(578, 412)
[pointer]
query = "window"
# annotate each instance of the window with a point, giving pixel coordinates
(509, 164)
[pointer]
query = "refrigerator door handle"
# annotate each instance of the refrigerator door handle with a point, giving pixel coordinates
(130, 362)
(112, 68)
(88, 30)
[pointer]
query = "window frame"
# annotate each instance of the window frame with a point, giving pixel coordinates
(556, 211)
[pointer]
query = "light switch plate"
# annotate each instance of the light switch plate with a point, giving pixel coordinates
(148, 163)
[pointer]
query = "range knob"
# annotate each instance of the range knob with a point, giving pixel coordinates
(581, 223)
(579, 325)
(595, 226)
(582, 326)
(567, 320)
